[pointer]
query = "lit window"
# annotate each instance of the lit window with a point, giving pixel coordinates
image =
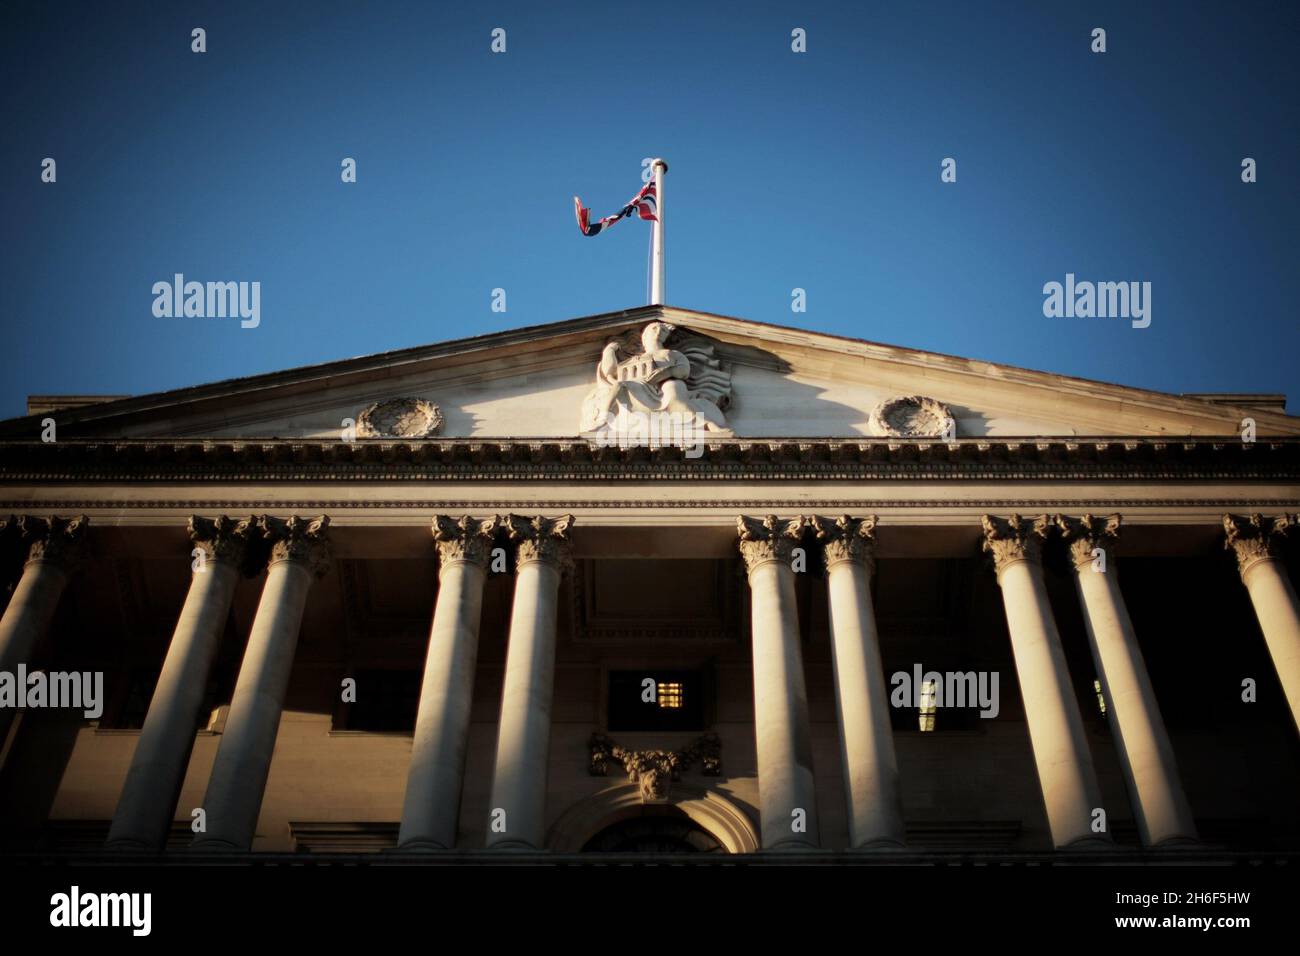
(1101, 698)
(929, 694)
(657, 701)
(670, 695)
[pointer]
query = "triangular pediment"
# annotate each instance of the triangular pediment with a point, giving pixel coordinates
(770, 382)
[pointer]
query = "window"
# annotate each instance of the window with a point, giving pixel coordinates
(671, 695)
(952, 702)
(387, 701)
(929, 695)
(650, 700)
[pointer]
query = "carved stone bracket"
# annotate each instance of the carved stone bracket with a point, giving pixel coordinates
(769, 539)
(655, 770)
(1255, 538)
(53, 539)
(222, 538)
(1009, 540)
(1087, 533)
(298, 539)
(847, 539)
(465, 538)
(543, 539)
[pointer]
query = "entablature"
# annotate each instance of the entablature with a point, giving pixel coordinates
(717, 460)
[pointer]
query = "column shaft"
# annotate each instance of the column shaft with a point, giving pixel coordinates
(523, 744)
(54, 544)
(238, 781)
(866, 735)
(1145, 752)
(30, 611)
(1066, 774)
(1065, 769)
(1257, 543)
(1279, 619)
(25, 621)
(431, 810)
(786, 786)
(148, 801)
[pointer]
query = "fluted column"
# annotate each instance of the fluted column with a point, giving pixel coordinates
(52, 544)
(871, 781)
(786, 788)
(299, 554)
(148, 801)
(431, 810)
(1065, 770)
(1145, 753)
(1257, 541)
(517, 812)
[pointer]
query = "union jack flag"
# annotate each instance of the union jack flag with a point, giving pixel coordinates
(643, 203)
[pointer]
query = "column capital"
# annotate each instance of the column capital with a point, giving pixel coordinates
(1014, 539)
(465, 539)
(768, 539)
(1255, 538)
(542, 539)
(222, 538)
(1087, 533)
(53, 540)
(847, 539)
(304, 540)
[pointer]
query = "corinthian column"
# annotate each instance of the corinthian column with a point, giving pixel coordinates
(517, 816)
(299, 554)
(1256, 541)
(52, 546)
(432, 808)
(786, 789)
(1065, 771)
(861, 699)
(1145, 753)
(148, 800)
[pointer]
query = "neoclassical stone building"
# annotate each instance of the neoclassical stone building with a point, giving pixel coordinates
(655, 581)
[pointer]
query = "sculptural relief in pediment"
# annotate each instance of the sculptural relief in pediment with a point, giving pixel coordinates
(660, 372)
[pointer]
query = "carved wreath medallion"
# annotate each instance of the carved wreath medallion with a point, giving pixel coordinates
(399, 418)
(910, 416)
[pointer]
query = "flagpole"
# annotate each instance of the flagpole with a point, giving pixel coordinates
(657, 251)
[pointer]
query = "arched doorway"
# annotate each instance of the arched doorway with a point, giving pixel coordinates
(616, 820)
(670, 832)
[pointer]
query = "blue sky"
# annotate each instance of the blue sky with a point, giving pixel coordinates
(817, 170)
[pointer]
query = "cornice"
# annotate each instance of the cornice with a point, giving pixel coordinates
(735, 459)
(115, 505)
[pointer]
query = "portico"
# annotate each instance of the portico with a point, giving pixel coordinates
(406, 639)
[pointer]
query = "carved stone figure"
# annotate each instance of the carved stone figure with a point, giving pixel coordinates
(690, 382)
(654, 770)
